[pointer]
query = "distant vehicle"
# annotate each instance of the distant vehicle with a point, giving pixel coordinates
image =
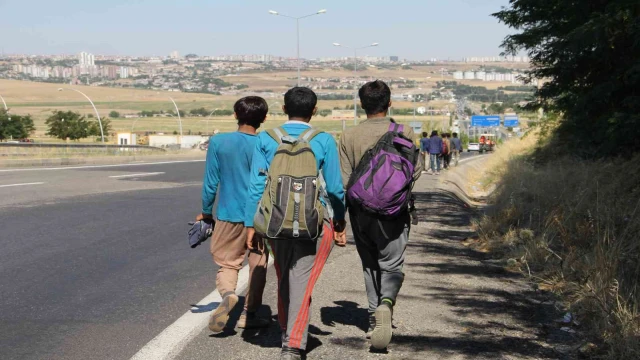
(26, 140)
(487, 142)
(204, 146)
(473, 147)
(13, 142)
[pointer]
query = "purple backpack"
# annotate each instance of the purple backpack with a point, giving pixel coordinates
(381, 183)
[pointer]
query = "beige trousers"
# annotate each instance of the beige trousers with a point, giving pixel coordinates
(228, 247)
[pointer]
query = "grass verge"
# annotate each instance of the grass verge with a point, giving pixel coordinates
(573, 226)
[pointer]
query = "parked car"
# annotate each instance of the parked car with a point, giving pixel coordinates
(473, 147)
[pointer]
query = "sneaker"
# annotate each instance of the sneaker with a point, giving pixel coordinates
(381, 335)
(372, 325)
(437, 172)
(252, 321)
(288, 353)
(220, 315)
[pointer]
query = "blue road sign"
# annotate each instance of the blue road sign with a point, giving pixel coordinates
(511, 121)
(485, 120)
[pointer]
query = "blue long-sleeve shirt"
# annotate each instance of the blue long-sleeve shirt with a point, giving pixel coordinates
(435, 145)
(227, 175)
(326, 152)
(424, 144)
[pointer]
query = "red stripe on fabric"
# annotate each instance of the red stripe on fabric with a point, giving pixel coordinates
(297, 332)
(281, 318)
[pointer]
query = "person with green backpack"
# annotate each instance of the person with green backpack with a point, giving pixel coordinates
(296, 202)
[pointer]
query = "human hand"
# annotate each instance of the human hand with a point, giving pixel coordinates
(340, 233)
(204, 216)
(251, 232)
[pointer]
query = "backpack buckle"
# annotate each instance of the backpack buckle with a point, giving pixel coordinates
(289, 140)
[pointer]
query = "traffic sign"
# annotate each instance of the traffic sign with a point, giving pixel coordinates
(511, 121)
(485, 120)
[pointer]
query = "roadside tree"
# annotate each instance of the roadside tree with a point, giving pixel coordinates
(588, 56)
(15, 126)
(67, 125)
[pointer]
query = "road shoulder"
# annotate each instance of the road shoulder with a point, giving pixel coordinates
(455, 302)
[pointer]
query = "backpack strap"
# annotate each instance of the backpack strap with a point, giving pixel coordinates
(397, 128)
(278, 134)
(309, 134)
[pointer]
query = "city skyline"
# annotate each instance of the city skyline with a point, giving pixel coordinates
(416, 30)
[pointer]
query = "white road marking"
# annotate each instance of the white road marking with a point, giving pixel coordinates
(170, 342)
(24, 184)
(135, 175)
(100, 166)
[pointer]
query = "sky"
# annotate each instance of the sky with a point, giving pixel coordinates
(410, 29)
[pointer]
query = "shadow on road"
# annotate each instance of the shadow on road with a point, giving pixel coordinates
(484, 311)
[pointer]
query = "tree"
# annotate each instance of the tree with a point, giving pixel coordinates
(94, 127)
(15, 126)
(67, 125)
(114, 114)
(589, 52)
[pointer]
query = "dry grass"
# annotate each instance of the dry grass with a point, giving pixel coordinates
(573, 225)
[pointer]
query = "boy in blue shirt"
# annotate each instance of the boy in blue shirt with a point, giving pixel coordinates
(227, 177)
(299, 263)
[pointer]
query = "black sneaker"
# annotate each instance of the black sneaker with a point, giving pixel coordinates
(372, 325)
(288, 353)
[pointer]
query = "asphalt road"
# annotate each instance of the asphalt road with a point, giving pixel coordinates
(94, 261)
(94, 267)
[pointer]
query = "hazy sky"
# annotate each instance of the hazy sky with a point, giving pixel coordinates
(414, 29)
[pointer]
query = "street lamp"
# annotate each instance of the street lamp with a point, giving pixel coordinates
(297, 19)
(274, 110)
(6, 109)
(4, 102)
(355, 75)
(94, 108)
(209, 117)
(179, 121)
(415, 98)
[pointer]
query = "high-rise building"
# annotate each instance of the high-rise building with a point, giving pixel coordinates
(112, 72)
(174, 55)
(394, 58)
(124, 72)
(86, 59)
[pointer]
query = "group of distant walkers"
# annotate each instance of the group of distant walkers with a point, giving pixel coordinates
(285, 192)
(439, 152)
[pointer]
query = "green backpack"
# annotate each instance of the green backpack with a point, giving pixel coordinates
(290, 208)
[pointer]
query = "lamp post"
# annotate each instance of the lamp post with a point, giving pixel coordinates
(355, 75)
(6, 109)
(273, 112)
(179, 121)
(297, 19)
(4, 102)
(415, 98)
(209, 117)
(94, 108)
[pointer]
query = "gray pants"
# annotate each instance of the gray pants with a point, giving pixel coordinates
(298, 264)
(381, 245)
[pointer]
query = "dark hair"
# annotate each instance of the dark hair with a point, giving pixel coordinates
(434, 133)
(251, 110)
(455, 135)
(424, 134)
(375, 97)
(299, 102)
(446, 135)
